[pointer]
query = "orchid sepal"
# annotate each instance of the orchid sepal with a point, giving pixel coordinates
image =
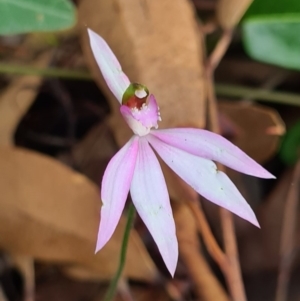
(112, 72)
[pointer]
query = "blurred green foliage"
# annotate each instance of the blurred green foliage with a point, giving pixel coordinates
(271, 32)
(23, 16)
(290, 147)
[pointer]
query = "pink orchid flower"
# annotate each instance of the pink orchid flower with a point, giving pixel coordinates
(188, 152)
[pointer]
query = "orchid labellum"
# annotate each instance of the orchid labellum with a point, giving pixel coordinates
(189, 152)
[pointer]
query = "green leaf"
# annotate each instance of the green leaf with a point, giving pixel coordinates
(271, 32)
(274, 43)
(23, 16)
(273, 9)
(290, 148)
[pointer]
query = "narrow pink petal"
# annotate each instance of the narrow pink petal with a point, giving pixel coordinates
(211, 146)
(203, 176)
(114, 189)
(151, 199)
(110, 67)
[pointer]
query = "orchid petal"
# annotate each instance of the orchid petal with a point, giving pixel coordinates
(142, 120)
(203, 176)
(151, 199)
(137, 127)
(211, 146)
(148, 115)
(109, 65)
(114, 189)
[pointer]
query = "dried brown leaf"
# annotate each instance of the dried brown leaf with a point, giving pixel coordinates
(51, 213)
(230, 12)
(255, 126)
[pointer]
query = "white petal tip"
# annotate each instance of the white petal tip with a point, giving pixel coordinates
(97, 249)
(266, 175)
(250, 217)
(171, 259)
(100, 244)
(91, 33)
(255, 223)
(171, 266)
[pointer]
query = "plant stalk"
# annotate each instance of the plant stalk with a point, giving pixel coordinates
(114, 283)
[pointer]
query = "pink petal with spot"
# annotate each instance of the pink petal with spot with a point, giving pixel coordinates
(203, 176)
(151, 199)
(211, 146)
(137, 127)
(114, 189)
(110, 67)
(148, 115)
(141, 121)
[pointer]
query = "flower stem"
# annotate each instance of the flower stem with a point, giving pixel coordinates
(258, 94)
(226, 90)
(45, 72)
(114, 283)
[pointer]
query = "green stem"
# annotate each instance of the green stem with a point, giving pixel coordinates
(114, 283)
(221, 89)
(257, 94)
(45, 72)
